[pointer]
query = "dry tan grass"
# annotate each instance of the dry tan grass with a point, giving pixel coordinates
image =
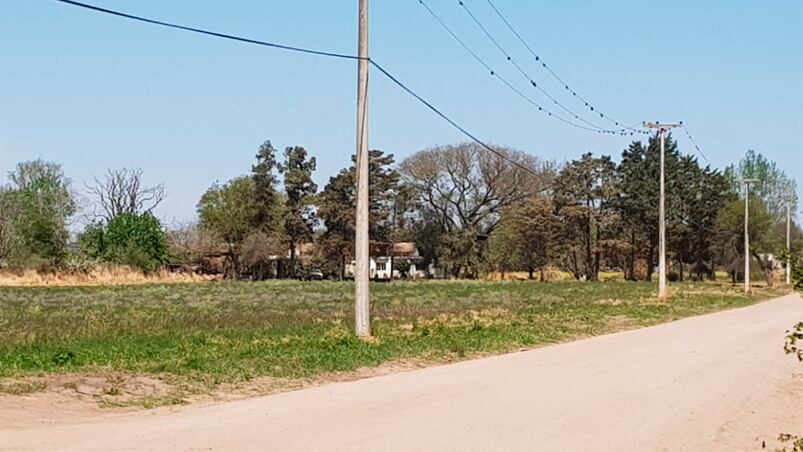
(551, 274)
(102, 276)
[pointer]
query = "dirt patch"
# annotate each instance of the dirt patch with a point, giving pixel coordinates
(768, 423)
(54, 398)
(269, 385)
(75, 398)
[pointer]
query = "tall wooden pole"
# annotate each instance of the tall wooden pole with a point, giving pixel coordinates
(362, 257)
(746, 183)
(746, 238)
(662, 223)
(789, 242)
(662, 129)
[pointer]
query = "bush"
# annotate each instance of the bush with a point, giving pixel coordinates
(78, 263)
(128, 239)
(797, 279)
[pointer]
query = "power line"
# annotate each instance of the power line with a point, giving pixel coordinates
(209, 33)
(449, 120)
(496, 74)
(524, 73)
(554, 75)
(313, 52)
(694, 143)
(591, 127)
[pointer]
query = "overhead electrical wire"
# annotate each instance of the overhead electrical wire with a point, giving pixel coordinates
(694, 143)
(381, 69)
(554, 75)
(496, 74)
(521, 70)
(449, 120)
(209, 33)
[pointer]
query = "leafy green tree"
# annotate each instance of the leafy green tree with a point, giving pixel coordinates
(388, 204)
(639, 194)
(697, 203)
(585, 192)
(337, 210)
(527, 237)
(503, 247)
(267, 199)
(776, 191)
(228, 211)
(42, 192)
(775, 188)
(10, 235)
(300, 189)
(136, 240)
(764, 242)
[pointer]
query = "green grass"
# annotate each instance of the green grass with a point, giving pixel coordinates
(211, 333)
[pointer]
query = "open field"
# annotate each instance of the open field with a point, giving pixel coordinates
(196, 337)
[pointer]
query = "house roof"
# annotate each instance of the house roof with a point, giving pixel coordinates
(405, 249)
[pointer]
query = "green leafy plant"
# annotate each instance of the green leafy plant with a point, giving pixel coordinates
(796, 443)
(137, 241)
(63, 358)
(793, 338)
(797, 279)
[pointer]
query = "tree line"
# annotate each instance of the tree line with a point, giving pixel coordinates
(469, 212)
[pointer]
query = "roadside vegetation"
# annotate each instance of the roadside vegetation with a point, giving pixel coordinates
(585, 229)
(459, 211)
(198, 336)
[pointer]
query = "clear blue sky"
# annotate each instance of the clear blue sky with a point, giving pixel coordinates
(92, 91)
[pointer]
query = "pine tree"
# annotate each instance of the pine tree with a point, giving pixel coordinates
(299, 188)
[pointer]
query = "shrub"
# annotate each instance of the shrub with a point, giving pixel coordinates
(128, 239)
(797, 279)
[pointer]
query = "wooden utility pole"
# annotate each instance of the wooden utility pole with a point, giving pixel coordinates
(746, 184)
(789, 242)
(362, 269)
(662, 129)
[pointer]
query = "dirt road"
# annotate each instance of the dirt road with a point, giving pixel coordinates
(716, 382)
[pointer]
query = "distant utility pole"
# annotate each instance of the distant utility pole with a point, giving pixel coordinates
(362, 313)
(662, 129)
(746, 184)
(789, 242)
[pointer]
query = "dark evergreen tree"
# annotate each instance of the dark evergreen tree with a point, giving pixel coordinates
(299, 188)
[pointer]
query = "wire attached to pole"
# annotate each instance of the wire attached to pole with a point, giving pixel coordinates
(208, 32)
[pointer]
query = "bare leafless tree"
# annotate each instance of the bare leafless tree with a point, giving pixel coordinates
(123, 191)
(466, 187)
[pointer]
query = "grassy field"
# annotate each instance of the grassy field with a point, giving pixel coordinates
(205, 334)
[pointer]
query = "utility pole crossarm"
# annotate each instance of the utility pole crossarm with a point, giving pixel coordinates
(662, 127)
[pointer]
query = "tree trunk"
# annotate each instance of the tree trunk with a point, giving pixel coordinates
(531, 272)
(766, 268)
(292, 259)
(650, 263)
(632, 276)
(575, 265)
